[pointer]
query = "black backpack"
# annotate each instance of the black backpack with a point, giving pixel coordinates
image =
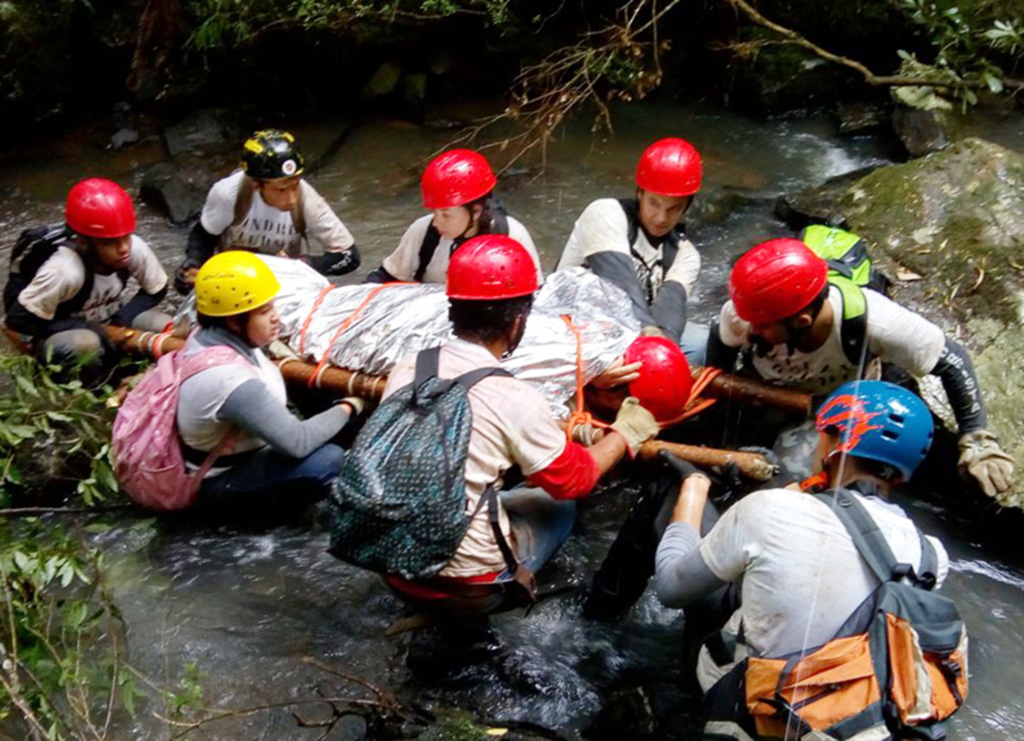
(399, 504)
(34, 247)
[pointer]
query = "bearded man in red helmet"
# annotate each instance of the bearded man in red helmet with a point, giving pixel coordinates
(490, 285)
(811, 330)
(458, 187)
(68, 279)
(639, 245)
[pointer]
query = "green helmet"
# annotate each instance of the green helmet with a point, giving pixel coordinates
(272, 154)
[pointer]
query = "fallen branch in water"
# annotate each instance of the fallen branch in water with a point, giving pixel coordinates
(192, 725)
(383, 696)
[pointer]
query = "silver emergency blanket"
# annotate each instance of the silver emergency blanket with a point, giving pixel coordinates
(403, 319)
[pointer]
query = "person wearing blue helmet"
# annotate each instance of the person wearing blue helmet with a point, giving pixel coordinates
(783, 555)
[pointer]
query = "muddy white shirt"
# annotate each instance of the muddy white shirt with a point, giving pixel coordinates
(60, 278)
(802, 575)
(202, 396)
(404, 261)
(604, 227)
(512, 425)
(894, 335)
(267, 229)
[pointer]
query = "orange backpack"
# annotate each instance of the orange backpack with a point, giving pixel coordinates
(897, 667)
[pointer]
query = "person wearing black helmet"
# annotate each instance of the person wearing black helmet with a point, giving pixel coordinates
(267, 207)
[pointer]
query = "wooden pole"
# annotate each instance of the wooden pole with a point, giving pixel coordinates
(354, 383)
(758, 393)
(751, 465)
(297, 372)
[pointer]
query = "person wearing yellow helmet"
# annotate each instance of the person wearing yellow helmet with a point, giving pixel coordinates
(267, 207)
(235, 304)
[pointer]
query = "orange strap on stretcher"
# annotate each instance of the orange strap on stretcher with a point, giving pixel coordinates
(694, 405)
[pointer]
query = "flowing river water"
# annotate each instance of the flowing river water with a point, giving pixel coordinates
(247, 605)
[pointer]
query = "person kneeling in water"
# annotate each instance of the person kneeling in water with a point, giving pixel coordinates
(235, 302)
(490, 286)
(268, 207)
(66, 281)
(458, 186)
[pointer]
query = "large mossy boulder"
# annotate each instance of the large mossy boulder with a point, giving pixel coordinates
(956, 219)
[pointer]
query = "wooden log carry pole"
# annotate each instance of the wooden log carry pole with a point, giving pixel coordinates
(336, 380)
(751, 465)
(354, 383)
(750, 391)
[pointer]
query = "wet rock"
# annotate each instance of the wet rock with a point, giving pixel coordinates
(123, 115)
(203, 130)
(854, 118)
(923, 131)
(348, 728)
(124, 137)
(177, 191)
(441, 62)
(626, 716)
(818, 205)
(383, 81)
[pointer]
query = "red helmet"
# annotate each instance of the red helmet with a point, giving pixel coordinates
(670, 167)
(100, 208)
(489, 268)
(776, 280)
(665, 381)
(456, 178)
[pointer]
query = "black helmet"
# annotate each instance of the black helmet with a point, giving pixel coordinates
(271, 154)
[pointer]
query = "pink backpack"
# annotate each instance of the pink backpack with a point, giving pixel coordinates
(148, 461)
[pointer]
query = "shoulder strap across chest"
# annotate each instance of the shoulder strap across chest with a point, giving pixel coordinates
(872, 546)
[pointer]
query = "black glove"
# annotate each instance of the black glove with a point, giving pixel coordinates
(336, 263)
(685, 469)
(182, 283)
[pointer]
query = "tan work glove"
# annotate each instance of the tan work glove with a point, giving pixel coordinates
(983, 460)
(635, 424)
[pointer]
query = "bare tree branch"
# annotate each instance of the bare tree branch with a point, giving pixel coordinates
(869, 77)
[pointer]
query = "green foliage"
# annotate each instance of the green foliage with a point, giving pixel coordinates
(54, 434)
(188, 694)
(227, 24)
(971, 49)
(62, 669)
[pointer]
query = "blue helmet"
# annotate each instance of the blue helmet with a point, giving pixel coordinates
(879, 421)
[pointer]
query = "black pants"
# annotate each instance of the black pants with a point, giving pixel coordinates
(629, 565)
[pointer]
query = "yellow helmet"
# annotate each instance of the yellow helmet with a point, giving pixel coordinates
(233, 283)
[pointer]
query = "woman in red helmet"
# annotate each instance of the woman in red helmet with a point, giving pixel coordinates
(67, 280)
(458, 186)
(490, 286)
(639, 245)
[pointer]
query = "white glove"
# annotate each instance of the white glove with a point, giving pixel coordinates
(982, 460)
(358, 405)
